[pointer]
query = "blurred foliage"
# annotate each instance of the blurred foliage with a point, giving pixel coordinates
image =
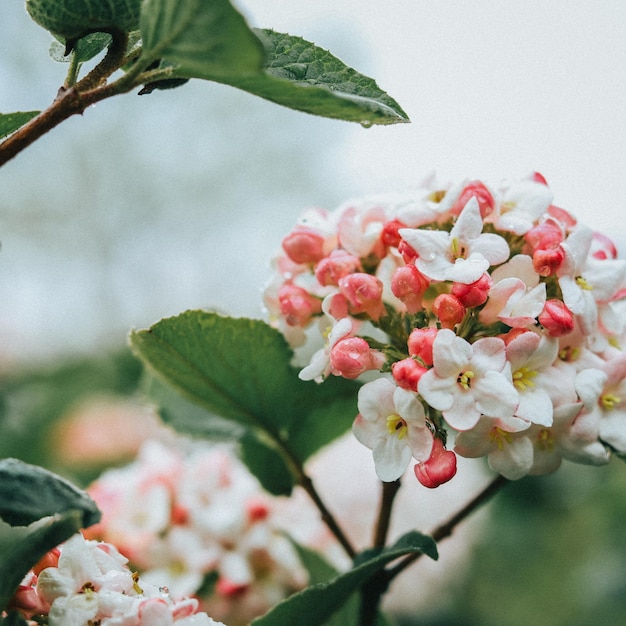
(553, 552)
(33, 400)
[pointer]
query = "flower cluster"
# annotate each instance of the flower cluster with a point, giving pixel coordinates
(490, 314)
(85, 582)
(191, 516)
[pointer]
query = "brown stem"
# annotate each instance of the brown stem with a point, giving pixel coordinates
(68, 102)
(389, 491)
(327, 516)
(446, 529)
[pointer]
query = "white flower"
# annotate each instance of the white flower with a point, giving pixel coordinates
(468, 380)
(392, 423)
(521, 205)
(463, 254)
(516, 297)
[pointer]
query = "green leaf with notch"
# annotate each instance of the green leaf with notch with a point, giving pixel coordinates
(10, 122)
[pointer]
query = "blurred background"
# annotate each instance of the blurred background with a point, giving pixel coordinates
(146, 206)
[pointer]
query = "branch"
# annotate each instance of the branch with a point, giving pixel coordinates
(446, 529)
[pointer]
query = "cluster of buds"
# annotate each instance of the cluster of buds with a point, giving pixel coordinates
(487, 321)
(191, 516)
(85, 582)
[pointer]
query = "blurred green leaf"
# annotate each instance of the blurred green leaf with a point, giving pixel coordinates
(204, 39)
(72, 19)
(22, 546)
(317, 603)
(10, 122)
(240, 369)
(29, 492)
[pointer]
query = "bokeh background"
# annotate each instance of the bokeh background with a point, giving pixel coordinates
(147, 206)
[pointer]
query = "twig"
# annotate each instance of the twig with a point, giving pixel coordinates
(446, 529)
(389, 491)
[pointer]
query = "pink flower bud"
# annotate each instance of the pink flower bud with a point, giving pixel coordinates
(548, 234)
(539, 178)
(27, 601)
(566, 219)
(352, 356)
(229, 588)
(364, 293)
(408, 284)
(420, 344)
(304, 245)
(556, 318)
(339, 264)
(390, 235)
(474, 189)
(408, 254)
(407, 373)
(49, 559)
(337, 306)
(547, 262)
(297, 305)
(257, 510)
(439, 468)
(474, 294)
(449, 310)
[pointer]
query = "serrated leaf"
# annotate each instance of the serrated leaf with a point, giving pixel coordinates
(10, 122)
(240, 369)
(303, 76)
(22, 546)
(73, 19)
(84, 50)
(316, 604)
(29, 493)
(204, 39)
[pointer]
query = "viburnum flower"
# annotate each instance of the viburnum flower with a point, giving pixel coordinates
(392, 423)
(89, 582)
(211, 521)
(463, 254)
(500, 317)
(468, 380)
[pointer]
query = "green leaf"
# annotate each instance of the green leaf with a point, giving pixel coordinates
(73, 19)
(317, 603)
(28, 493)
(22, 546)
(302, 76)
(240, 369)
(266, 463)
(84, 50)
(204, 39)
(10, 122)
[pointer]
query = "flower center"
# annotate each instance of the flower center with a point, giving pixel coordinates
(457, 249)
(499, 437)
(545, 441)
(523, 378)
(465, 379)
(609, 401)
(583, 284)
(569, 354)
(396, 426)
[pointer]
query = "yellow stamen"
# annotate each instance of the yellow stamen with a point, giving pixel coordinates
(569, 354)
(583, 284)
(505, 207)
(499, 437)
(437, 196)
(545, 441)
(136, 586)
(522, 378)
(609, 401)
(465, 379)
(457, 249)
(396, 426)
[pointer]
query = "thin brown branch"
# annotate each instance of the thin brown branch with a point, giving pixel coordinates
(388, 494)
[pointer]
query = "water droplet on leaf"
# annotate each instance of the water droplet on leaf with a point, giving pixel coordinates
(366, 123)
